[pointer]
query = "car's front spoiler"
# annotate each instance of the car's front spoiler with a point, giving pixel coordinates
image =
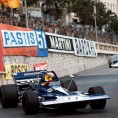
(75, 98)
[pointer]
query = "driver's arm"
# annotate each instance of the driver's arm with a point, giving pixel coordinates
(45, 83)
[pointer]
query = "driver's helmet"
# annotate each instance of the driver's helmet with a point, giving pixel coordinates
(49, 77)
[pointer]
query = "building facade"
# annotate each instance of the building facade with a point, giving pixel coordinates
(111, 5)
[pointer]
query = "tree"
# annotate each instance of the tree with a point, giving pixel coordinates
(84, 10)
(102, 15)
(58, 7)
(31, 2)
(113, 24)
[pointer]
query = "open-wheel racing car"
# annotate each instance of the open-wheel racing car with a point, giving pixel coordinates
(29, 89)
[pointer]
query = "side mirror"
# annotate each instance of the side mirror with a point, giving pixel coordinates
(71, 76)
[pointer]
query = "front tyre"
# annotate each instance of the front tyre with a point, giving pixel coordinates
(70, 85)
(97, 104)
(30, 102)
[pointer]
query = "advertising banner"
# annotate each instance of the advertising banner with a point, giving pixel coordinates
(84, 47)
(15, 68)
(59, 42)
(22, 41)
(41, 66)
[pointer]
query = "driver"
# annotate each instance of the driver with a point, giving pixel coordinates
(49, 77)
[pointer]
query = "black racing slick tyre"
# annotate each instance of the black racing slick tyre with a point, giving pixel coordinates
(110, 65)
(97, 104)
(30, 102)
(9, 96)
(70, 85)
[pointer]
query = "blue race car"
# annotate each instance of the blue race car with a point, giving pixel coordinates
(36, 90)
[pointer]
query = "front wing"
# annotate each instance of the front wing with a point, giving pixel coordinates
(74, 98)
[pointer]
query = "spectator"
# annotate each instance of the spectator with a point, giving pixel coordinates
(74, 17)
(44, 11)
(17, 18)
(0, 17)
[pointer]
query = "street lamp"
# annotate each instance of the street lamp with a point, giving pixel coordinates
(95, 19)
(26, 16)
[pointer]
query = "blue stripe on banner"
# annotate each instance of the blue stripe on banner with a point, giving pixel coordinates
(42, 49)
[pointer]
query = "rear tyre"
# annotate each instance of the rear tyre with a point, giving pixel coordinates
(110, 65)
(30, 102)
(97, 104)
(70, 85)
(9, 96)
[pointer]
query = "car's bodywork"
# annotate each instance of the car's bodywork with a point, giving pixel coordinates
(58, 94)
(113, 61)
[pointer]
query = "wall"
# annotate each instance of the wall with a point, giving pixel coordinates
(62, 64)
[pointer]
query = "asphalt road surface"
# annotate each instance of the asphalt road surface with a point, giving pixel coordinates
(100, 76)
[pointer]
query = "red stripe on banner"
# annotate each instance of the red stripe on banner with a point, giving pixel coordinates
(24, 51)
